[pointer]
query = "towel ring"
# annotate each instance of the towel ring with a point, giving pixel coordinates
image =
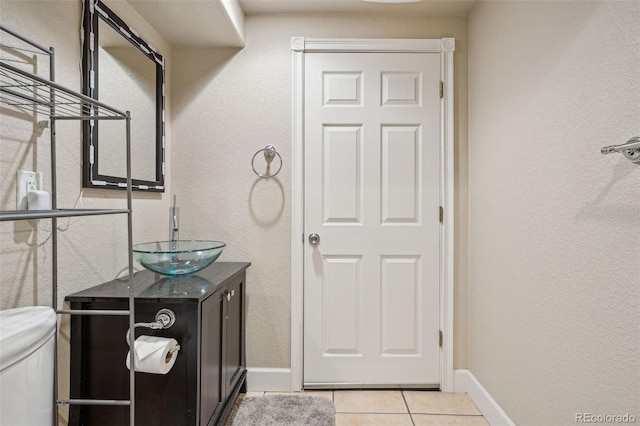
(269, 153)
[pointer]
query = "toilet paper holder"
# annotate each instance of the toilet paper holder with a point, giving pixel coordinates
(165, 318)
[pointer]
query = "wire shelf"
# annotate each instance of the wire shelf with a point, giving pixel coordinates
(9, 215)
(26, 91)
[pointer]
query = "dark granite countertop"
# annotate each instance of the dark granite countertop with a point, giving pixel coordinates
(149, 285)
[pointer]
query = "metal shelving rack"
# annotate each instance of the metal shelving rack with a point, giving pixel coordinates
(24, 90)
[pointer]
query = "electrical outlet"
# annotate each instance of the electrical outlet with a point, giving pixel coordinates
(26, 181)
(31, 184)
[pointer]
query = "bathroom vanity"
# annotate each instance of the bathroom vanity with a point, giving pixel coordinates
(210, 368)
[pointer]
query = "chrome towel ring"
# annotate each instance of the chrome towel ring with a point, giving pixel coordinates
(269, 153)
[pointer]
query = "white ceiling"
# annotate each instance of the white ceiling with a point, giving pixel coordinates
(206, 23)
(423, 7)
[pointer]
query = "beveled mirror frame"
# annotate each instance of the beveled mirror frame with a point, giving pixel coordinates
(94, 10)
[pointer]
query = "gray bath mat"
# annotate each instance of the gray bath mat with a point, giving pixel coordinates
(282, 410)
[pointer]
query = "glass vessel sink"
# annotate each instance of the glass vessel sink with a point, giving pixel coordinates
(177, 258)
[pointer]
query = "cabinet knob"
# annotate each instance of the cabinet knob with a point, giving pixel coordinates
(227, 294)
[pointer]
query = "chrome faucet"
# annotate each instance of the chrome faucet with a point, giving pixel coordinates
(174, 223)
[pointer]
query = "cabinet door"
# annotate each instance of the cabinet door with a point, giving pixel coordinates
(212, 394)
(234, 339)
(98, 353)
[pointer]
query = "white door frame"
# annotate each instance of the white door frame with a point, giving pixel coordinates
(444, 46)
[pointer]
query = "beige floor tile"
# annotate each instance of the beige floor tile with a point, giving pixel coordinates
(444, 420)
(252, 394)
(282, 393)
(323, 393)
(344, 419)
(424, 402)
(369, 402)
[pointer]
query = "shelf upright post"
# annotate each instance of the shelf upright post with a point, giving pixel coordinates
(54, 228)
(132, 370)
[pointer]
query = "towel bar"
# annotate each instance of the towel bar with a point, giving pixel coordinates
(631, 149)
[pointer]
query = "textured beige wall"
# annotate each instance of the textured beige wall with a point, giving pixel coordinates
(230, 103)
(554, 229)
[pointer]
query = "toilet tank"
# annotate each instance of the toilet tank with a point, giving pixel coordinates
(27, 348)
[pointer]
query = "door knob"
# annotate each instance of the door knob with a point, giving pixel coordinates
(314, 239)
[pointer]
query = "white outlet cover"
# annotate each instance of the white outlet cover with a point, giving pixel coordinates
(25, 182)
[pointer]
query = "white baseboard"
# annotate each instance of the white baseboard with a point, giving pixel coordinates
(279, 380)
(268, 379)
(465, 381)
(460, 380)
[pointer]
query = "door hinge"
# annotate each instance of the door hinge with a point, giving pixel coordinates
(440, 338)
(441, 89)
(441, 214)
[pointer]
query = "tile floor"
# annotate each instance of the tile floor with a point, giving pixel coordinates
(398, 408)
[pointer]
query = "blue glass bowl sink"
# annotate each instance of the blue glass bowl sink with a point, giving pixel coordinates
(177, 258)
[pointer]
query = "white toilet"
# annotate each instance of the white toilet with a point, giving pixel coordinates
(26, 366)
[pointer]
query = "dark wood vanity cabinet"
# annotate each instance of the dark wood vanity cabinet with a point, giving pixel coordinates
(210, 368)
(222, 351)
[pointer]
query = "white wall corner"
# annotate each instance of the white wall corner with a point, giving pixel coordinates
(235, 15)
(465, 381)
(268, 379)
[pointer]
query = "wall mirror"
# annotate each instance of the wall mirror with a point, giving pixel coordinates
(122, 70)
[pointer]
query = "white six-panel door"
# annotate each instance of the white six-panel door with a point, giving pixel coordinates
(371, 284)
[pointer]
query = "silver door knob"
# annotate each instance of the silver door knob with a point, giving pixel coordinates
(314, 239)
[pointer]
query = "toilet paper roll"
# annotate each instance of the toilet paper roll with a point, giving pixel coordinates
(38, 200)
(154, 354)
